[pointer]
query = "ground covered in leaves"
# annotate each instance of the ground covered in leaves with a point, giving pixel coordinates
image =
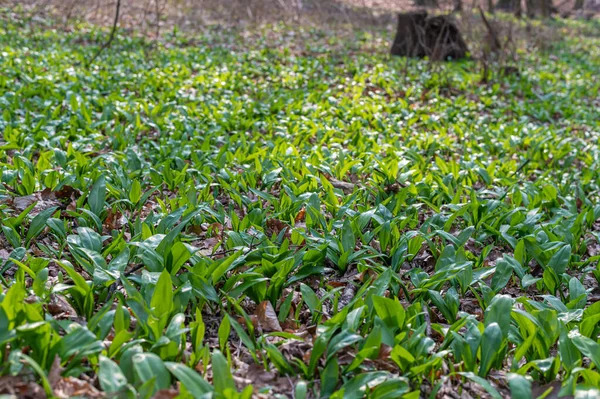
(290, 213)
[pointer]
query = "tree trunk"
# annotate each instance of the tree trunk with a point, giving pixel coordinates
(426, 3)
(458, 5)
(546, 8)
(578, 5)
(539, 8)
(508, 5)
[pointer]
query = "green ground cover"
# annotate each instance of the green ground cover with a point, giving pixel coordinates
(295, 214)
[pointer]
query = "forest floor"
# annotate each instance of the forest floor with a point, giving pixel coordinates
(288, 211)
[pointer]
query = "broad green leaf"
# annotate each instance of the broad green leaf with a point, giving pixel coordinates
(569, 354)
(222, 378)
(390, 311)
(491, 342)
(587, 346)
(590, 320)
(310, 298)
(499, 312)
(147, 366)
(560, 260)
(110, 376)
(520, 387)
(38, 223)
(191, 380)
(162, 298)
(97, 196)
(329, 377)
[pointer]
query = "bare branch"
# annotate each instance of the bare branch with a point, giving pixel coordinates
(110, 38)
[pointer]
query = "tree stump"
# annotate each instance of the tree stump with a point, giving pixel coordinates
(421, 36)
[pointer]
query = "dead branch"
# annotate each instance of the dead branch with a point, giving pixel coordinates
(492, 32)
(110, 38)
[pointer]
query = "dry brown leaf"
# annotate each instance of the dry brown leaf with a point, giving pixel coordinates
(55, 371)
(59, 307)
(69, 387)
(301, 215)
(166, 394)
(66, 192)
(384, 352)
(275, 226)
(42, 199)
(346, 187)
(4, 254)
(267, 318)
(253, 320)
(114, 220)
(21, 387)
(72, 206)
(21, 203)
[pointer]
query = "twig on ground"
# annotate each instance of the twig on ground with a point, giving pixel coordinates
(134, 269)
(427, 320)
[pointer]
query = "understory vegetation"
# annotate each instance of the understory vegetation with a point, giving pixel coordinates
(291, 212)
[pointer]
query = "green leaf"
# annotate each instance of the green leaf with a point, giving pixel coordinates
(191, 380)
(340, 341)
(38, 223)
(222, 378)
(502, 275)
(590, 320)
(569, 355)
(126, 360)
(97, 196)
(110, 376)
(177, 257)
(392, 388)
(244, 337)
(39, 371)
(587, 346)
(491, 342)
(167, 242)
(390, 311)
(499, 312)
(319, 347)
(162, 298)
(348, 239)
(520, 387)
(329, 377)
(301, 390)
(577, 294)
(357, 387)
(203, 289)
(149, 365)
(12, 236)
(528, 280)
(223, 333)
(119, 262)
(135, 193)
(402, 357)
(560, 260)
(311, 299)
